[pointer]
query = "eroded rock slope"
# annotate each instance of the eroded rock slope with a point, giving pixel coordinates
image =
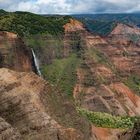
(28, 105)
(109, 73)
(14, 54)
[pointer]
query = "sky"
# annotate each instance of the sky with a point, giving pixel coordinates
(71, 6)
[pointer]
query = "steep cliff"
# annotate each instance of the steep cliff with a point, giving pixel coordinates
(74, 30)
(14, 54)
(108, 81)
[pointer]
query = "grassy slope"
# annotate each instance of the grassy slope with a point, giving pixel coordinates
(46, 47)
(133, 81)
(62, 73)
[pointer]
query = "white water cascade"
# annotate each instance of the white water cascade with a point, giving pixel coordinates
(36, 63)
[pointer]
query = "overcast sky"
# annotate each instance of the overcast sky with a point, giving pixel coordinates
(71, 6)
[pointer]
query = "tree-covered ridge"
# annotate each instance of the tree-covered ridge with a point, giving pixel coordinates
(102, 28)
(25, 23)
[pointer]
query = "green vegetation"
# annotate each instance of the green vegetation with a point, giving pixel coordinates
(99, 27)
(133, 82)
(25, 23)
(47, 47)
(97, 56)
(62, 73)
(59, 71)
(106, 120)
(104, 23)
(134, 37)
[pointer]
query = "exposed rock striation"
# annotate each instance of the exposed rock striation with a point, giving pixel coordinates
(124, 35)
(27, 103)
(108, 78)
(74, 30)
(103, 79)
(14, 54)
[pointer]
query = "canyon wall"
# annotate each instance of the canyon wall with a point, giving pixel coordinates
(14, 54)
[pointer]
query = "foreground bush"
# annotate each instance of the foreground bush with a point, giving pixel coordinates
(107, 120)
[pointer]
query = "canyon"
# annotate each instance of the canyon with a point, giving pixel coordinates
(105, 80)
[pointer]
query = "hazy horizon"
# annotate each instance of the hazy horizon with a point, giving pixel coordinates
(74, 13)
(72, 6)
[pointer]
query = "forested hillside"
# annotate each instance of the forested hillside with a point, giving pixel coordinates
(25, 23)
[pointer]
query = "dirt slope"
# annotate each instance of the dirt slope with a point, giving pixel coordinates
(27, 104)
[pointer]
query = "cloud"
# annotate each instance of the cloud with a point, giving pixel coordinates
(71, 6)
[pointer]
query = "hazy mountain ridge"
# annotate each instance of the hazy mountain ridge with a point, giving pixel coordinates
(104, 23)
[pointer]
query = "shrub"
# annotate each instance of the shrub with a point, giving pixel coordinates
(107, 120)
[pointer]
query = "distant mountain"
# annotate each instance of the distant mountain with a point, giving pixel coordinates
(127, 18)
(2, 11)
(103, 23)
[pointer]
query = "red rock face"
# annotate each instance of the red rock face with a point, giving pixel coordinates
(123, 29)
(124, 35)
(101, 79)
(73, 32)
(107, 64)
(74, 25)
(94, 40)
(106, 133)
(13, 53)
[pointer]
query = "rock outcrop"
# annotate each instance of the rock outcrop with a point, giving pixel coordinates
(123, 29)
(7, 132)
(14, 54)
(73, 26)
(103, 80)
(133, 134)
(124, 35)
(34, 111)
(72, 38)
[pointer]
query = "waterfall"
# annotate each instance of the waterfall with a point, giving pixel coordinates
(36, 63)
